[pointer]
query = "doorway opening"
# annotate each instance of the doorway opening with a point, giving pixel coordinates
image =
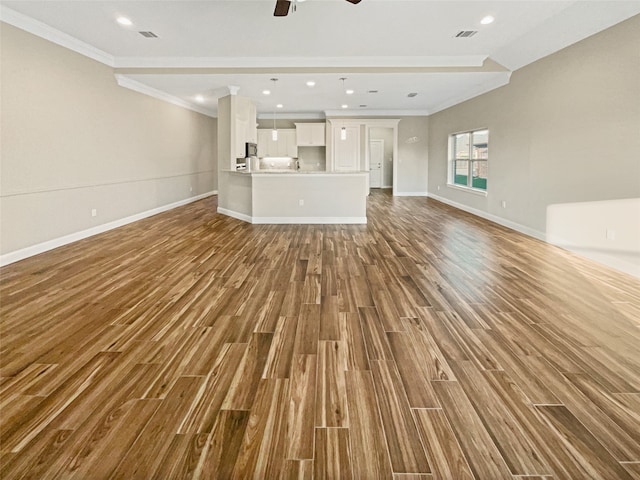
(381, 157)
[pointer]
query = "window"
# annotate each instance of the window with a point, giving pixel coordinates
(469, 158)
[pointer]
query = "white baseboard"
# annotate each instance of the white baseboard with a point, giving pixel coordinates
(27, 252)
(410, 194)
(604, 259)
(293, 220)
(234, 214)
(310, 220)
(597, 256)
(494, 218)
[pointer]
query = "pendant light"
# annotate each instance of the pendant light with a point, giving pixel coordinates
(274, 132)
(343, 130)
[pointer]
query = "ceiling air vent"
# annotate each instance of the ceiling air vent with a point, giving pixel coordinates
(412, 94)
(466, 33)
(148, 34)
(373, 91)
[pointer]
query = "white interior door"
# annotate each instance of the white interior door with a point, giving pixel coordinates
(376, 159)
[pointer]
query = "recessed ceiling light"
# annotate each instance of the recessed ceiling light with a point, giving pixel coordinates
(266, 92)
(349, 92)
(311, 83)
(487, 20)
(124, 21)
(199, 98)
(279, 105)
(345, 106)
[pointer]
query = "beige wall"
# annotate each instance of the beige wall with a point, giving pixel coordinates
(565, 130)
(413, 157)
(72, 140)
(611, 235)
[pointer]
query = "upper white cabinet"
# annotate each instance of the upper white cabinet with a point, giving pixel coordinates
(310, 134)
(252, 125)
(246, 127)
(264, 139)
(285, 146)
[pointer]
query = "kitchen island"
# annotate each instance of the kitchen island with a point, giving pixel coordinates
(292, 197)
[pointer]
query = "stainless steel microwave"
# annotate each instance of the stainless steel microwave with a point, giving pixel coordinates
(251, 150)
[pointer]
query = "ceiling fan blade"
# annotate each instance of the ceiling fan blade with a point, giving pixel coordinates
(353, 1)
(282, 8)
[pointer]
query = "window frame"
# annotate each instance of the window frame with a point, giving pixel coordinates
(453, 158)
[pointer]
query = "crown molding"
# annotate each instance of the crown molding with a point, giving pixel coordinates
(43, 30)
(303, 62)
(376, 113)
(292, 116)
(160, 95)
(363, 120)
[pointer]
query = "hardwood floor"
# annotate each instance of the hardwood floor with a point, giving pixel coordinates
(426, 344)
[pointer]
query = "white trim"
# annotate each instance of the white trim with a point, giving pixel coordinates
(378, 113)
(303, 62)
(292, 116)
(602, 258)
(608, 260)
(493, 218)
(367, 122)
(474, 191)
(51, 34)
(293, 220)
(410, 194)
(309, 220)
(23, 253)
(237, 215)
(136, 86)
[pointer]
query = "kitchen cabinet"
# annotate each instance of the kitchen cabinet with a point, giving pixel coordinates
(252, 126)
(285, 146)
(241, 137)
(246, 128)
(310, 134)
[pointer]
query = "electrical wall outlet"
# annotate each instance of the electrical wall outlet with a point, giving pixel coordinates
(610, 234)
(504, 204)
(301, 202)
(94, 212)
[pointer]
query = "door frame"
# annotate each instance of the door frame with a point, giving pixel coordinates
(384, 123)
(367, 123)
(381, 141)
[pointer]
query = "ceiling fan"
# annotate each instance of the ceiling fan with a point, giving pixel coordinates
(283, 6)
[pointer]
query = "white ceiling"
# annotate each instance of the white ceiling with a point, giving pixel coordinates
(393, 46)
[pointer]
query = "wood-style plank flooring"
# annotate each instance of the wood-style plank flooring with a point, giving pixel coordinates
(427, 344)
